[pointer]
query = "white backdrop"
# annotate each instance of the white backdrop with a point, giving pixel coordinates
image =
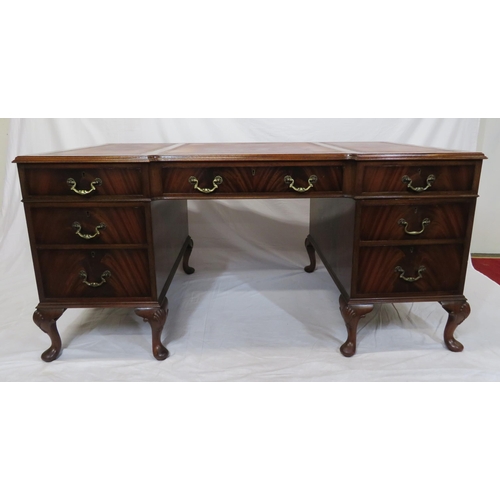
(249, 312)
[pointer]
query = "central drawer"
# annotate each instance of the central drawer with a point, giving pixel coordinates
(219, 180)
(70, 224)
(69, 274)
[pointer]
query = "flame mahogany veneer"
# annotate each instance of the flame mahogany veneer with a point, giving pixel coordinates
(108, 225)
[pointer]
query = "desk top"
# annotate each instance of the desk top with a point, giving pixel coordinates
(248, 151)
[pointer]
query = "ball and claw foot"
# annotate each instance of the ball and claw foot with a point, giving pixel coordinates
(458, 312)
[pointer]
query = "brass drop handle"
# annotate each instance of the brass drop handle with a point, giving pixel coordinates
(93, 184)
(93, 284)
(402, 276)
(78, 227)
(290, 181)
(430, 181)
(217, 180)
(425, 223)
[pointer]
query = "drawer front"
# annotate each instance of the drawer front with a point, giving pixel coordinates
(298, 180)
(88, 225)
(414, 222)
(418, 178)
(83, 182)
(410, 270)
(213, 181)
(108, 273)
(219, 181)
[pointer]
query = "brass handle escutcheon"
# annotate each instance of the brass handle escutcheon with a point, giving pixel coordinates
(289, 180)
(93, 184)
(430, 181)
(93, 284)
(218, 180)
(425, 223)
(78, 227)
(402, 276)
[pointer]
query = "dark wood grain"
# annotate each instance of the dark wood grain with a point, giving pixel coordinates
(252, 180)
(332, 233)
(170, 232)
(329, 179)
(41, 180)
(187, 253)
(352, 313)
(312, 255)
(383, 221)
(378, 275)
(449, 176)
(156, 317)
(61, 273)
(177, 181)
(46, 320)
(362, 211)
(122, 224)
(458, 311)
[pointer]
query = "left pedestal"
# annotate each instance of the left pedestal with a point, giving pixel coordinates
(98, 240)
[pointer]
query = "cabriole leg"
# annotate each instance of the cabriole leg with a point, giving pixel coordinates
(156, 317)
(187, 254)
(352, 313)
(46, 319)
(458, 312)
(312, 256)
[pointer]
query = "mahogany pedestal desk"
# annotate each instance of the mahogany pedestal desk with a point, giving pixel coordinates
(108, 225)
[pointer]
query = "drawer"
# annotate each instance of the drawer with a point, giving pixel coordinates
(82, 224)
(418, 178)
(300, 180)
(222, 180)
(410, 270)
(109, 273)
(213, 181)
(414, 222)
(82, 182)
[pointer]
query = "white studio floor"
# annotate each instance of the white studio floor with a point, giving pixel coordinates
(242, 319)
